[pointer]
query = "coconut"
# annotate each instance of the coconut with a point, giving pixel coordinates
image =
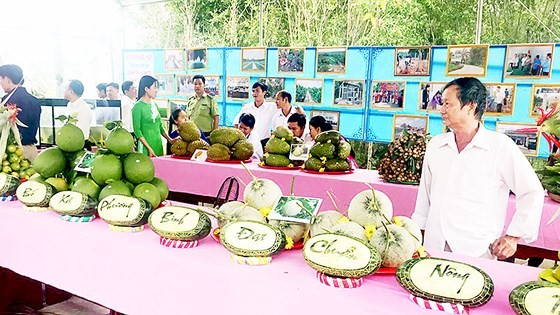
(394, 244)
(412, 228)
(261, 193)
(370, 207)
(294, 230)
(350, 229)
(242, 212)
(324, 221)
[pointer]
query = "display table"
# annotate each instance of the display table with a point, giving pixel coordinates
(133, 274)
(204, 179)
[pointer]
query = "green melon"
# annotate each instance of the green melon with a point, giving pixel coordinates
(70, 138)
(50, 162)
(324, 221)
(138, 168)
(106, 167)
(394, 244)
(149, 193)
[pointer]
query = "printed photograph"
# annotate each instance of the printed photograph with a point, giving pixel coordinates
(238, 87)
(299, 152)
(182, 104)
(291, 208)
(174, 59)
(185, 85)
(253, 59)
(545, 96)
(526, 136)
(430, 96)
(418, 124)
(331, 60)
(501, 98)
(387, 95)
(349, 92)
(212, 86)
(467, 60)
(413, 61)
(309, 91)
(331, 116)
(529, 61)
(291, 59)
(197, 59)
(166, 84)
(274, 85)
(163, 107)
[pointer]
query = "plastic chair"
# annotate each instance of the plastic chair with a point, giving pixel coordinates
(229, 191)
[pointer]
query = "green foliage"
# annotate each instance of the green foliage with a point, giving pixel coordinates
(334, 22)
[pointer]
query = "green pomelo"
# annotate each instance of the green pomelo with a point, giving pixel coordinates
(119, 141)
(58, 183)
(87, 186)
(115, 188)
(106, 167)
(37, 177)
(138, 168)
(70, 138)
(50, 162)
(161, 185)
(148, 192)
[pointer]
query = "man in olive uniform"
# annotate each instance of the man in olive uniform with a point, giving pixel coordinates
(203, 108)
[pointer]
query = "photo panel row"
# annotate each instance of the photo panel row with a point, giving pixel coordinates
(196, 59)
(522, 60)
(526, 136)
(183, 85)
(329, 60)
(307, 91)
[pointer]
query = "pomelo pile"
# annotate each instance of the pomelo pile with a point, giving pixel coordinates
(403, 161)
(396, 239)
(115, 170)
(329, 154)
(190, 140)
(15, 164)
(229, 144)
(277, 149)
(259, 197)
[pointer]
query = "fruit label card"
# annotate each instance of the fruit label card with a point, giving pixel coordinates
(199, 155)
(445, 281)
(299, 152)
(85, 163)
(252, 239)
(296, 209)
(341, 255)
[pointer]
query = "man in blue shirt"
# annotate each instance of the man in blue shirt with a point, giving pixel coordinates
(536, 65)
(546, 65)
(11, 77)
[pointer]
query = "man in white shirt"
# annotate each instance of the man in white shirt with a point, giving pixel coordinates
(466, 179)
(297, 123)
(113, 92)
(262, 111)
(246, 125)
(130, 92)
(285, 109)
(78, 106)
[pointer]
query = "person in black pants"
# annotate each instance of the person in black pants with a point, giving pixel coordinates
(11, 80)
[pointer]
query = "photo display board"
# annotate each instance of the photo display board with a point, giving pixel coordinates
(368, 89)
